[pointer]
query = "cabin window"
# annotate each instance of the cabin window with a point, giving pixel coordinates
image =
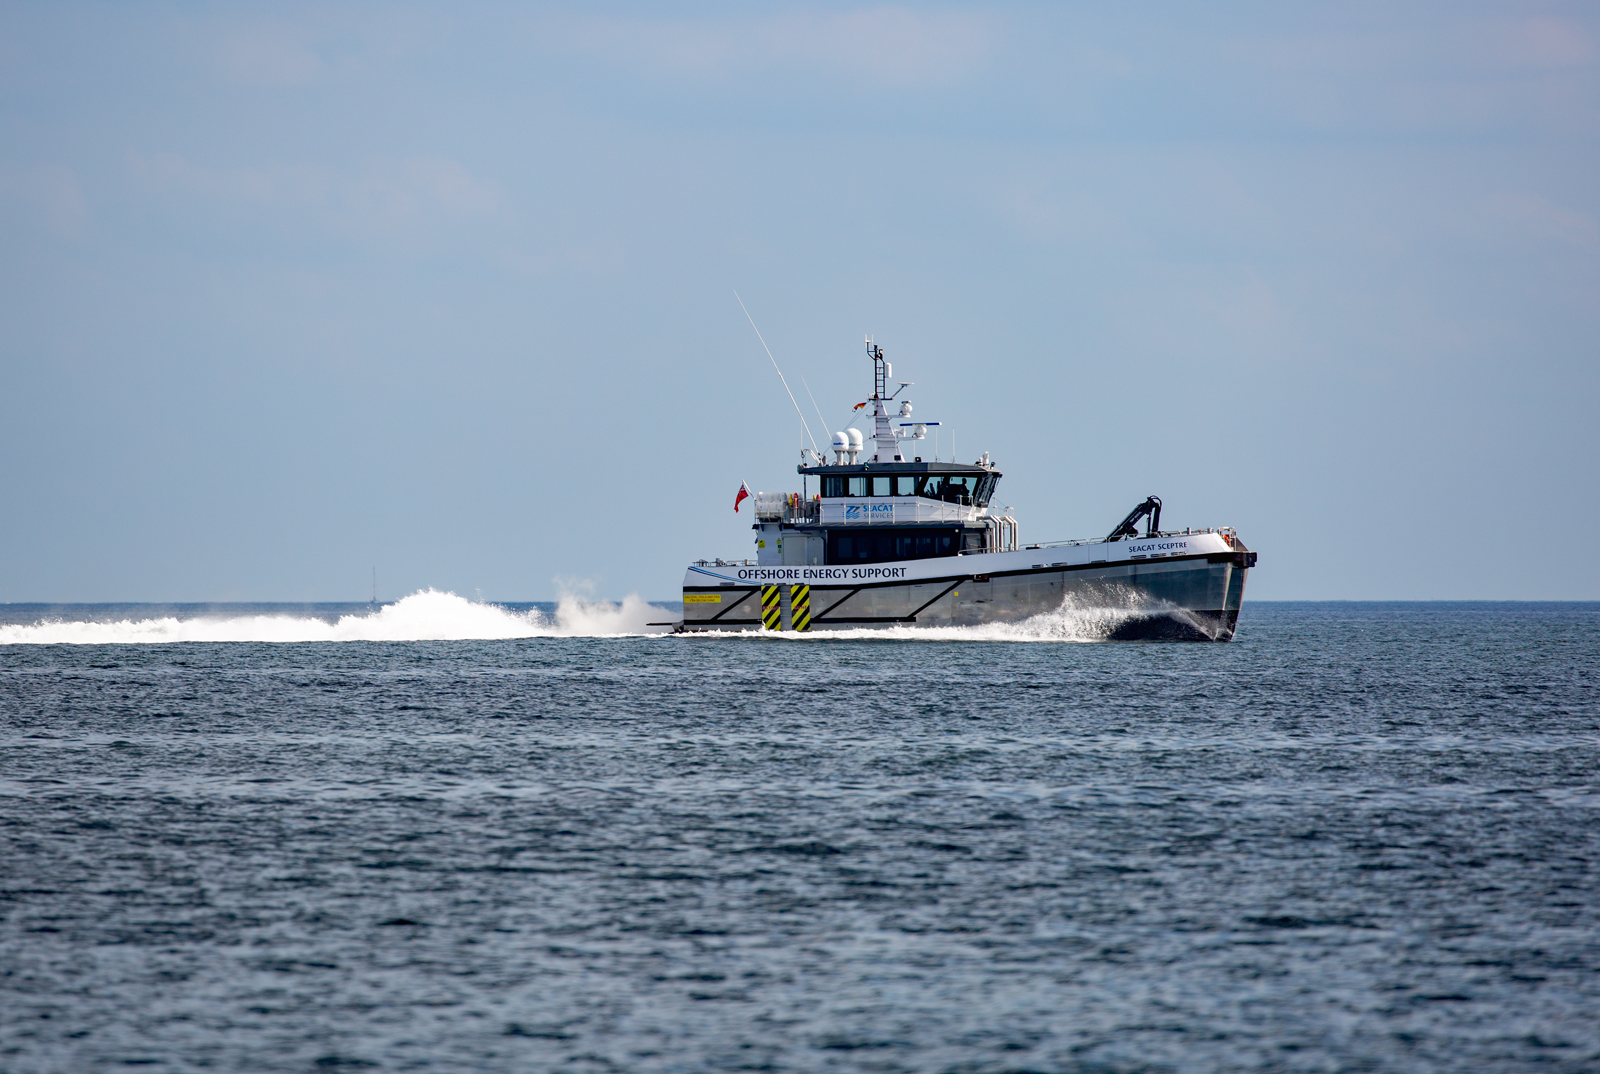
(858, 486)
(883, 486)
(833, 485)
(880, 546)
(905, 485)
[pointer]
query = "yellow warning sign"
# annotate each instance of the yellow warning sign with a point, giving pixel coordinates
(702, 598)
(800, 606)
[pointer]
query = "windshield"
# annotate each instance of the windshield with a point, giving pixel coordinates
(966, 489)
(949, 488)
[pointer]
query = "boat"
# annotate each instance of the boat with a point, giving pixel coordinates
(890, 539)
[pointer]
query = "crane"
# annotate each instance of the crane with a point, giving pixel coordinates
(1130, 525)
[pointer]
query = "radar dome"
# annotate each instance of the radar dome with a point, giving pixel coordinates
(905, 409)
(841, 442)
(856, 439)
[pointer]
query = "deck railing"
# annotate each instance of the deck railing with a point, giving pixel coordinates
(786, 507)
(1228, 533)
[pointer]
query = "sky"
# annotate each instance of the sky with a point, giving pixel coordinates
(292, 294)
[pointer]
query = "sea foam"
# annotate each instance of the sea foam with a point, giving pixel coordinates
(1078, 618)
(428, 615)
(432, 615)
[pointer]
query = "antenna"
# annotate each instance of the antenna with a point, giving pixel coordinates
(374, 585)
(768, 349)
(820, 419)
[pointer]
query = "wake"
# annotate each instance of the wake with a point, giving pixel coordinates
(1078, 618)
(431, 615)
(428, 615)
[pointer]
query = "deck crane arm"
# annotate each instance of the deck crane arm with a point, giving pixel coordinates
(1130, 525)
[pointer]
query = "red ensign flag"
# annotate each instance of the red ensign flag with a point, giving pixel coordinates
(744, 490)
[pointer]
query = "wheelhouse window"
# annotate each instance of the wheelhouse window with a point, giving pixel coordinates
(950, 488)
(966, 489)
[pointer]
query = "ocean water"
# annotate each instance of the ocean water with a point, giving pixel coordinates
(447, 836)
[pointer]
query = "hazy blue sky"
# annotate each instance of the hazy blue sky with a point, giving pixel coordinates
(291, 292)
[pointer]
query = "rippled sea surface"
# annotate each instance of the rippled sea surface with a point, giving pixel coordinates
(1359, 837)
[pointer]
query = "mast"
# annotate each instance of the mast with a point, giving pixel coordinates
(888, 445)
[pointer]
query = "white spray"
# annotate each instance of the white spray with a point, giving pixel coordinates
(428, 615)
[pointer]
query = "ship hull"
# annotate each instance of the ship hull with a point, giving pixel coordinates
(1191, 594)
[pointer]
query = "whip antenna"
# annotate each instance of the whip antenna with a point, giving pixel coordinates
(820, 418)
(785, 383)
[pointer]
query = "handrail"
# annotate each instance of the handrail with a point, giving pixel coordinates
(1226, 531)
(786, 507)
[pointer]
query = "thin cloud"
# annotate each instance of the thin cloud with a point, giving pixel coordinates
(1544, 43)
(894, 45)
(387, 198)
(269, 56)
(325, 44)
(1542, 219)
(1481, 47)
(50, 194)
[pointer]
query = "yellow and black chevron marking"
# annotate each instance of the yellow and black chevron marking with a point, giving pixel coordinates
(800, 606)
(770, 611)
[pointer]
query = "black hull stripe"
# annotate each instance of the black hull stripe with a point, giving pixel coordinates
(957, 579)
(838, 602)
(869, 619)
(947, 589)
(731, 607)
(1148, 626)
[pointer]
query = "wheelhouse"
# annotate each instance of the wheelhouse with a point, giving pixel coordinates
(879, 512)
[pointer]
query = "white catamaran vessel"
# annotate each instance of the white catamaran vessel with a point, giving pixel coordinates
(893, 540)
